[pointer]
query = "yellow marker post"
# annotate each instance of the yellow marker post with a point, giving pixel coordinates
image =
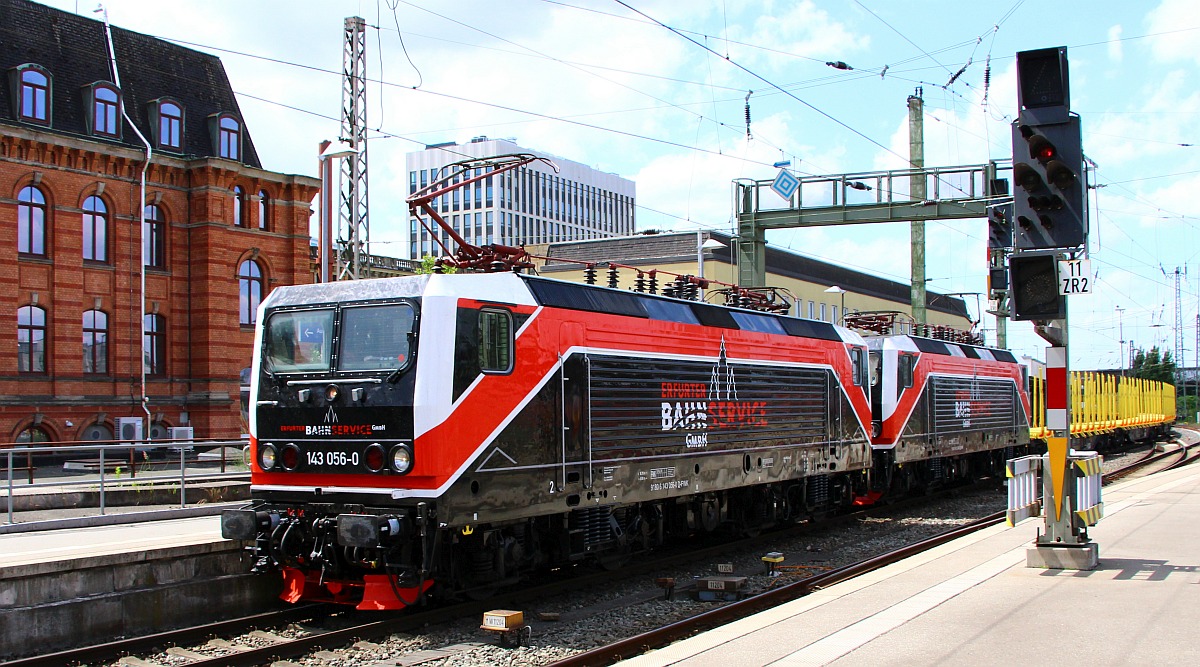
(1057, 449)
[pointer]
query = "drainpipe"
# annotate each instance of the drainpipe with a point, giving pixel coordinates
(112, 59)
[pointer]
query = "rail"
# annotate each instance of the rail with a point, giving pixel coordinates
(93, 467)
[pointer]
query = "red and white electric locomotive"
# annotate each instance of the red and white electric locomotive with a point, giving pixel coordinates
(463, 430)
(453, 433)
(943, 410)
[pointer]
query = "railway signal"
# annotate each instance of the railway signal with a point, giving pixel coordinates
(1050, 219)
(1000, 232)
(1049, 205)
(1049, 197)
(1035, 289)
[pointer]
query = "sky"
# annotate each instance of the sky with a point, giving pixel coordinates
(655, 90)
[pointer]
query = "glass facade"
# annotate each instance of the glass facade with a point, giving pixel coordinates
(530, 205)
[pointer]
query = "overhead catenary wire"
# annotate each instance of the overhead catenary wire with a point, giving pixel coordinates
(835, 82)
(318, 68)
(557, 60)
(770, 83)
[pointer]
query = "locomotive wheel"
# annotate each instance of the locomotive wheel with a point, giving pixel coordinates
(710, 516)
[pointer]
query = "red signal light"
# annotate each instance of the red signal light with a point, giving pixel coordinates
(1041, 149)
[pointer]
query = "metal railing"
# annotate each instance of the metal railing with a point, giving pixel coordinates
(1088, 468)
(1028, 486)
(871, 188)
(123, 465)
(1024, 488)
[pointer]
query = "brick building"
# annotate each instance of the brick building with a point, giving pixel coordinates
(218, 233)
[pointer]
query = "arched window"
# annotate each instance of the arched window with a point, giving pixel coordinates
(35, 95)
(95, 229)
(106, 105)
(250, 289)
(32, 436)
(154, 237)
(170, 126)
(154, 337)
(95, 342)
(97, 431)
(263, 209)
(31, 221)
(31, 339)
(230, 138)
(239, 206)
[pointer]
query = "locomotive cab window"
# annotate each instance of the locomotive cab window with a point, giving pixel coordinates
(907, 363)
(298, 341)
(375, 337)
(495, 341)
(858, 363)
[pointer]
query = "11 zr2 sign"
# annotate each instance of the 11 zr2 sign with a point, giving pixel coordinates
(1074, 276)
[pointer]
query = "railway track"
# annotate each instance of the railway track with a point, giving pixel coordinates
(1154, 461)
(263, 638)
(736, 610)
(1158, 461)
(258, 639)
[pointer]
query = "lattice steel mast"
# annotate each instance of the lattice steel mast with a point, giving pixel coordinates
(354, 231)
(1179, 363)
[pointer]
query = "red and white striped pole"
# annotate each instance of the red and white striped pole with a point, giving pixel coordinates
(1058, 421)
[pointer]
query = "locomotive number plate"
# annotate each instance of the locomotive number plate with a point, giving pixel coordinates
(332, 459)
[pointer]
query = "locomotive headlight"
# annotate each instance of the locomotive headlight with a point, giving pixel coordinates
(332, 392)
(290, 456)
(401, 459)
(266, 456)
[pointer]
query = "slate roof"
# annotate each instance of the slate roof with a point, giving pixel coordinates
(73, 50)
(672, 247)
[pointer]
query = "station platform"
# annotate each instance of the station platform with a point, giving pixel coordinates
(973, 601)
(74, 547)
(83, 580)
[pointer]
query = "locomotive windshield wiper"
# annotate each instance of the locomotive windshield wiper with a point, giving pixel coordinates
(395, 375)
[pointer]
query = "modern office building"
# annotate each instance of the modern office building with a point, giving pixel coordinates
(217, 232)
(533, 204)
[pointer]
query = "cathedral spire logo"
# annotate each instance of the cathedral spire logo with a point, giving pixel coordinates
(695, 406)
(722, 386)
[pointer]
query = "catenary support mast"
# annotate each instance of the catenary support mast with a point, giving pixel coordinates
(353, 241)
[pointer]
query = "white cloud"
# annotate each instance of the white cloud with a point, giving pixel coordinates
(800, 29)
(1116, 51)
(1173, 24)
